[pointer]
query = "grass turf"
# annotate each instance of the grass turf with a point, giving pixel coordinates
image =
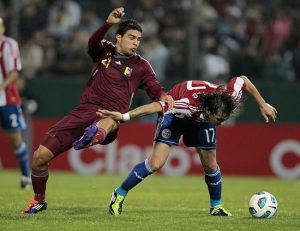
(80, 202)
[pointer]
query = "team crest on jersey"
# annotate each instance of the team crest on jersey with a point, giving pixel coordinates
(195, 95)
(166, 133)
(128, 72)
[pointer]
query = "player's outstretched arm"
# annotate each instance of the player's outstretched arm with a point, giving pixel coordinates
(137, 112)
(266, 109)
(115, 16)
(115, 115)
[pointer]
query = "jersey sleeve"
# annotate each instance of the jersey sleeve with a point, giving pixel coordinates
(150, 83)
(236, 87)
(11, 56)
(96, 42)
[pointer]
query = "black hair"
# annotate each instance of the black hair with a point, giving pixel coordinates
(219, 101)
(128, 24)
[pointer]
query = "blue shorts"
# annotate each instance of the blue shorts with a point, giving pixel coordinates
(170, 128)
(11, 118)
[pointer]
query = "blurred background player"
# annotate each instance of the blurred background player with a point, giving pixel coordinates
(11, 116)
(199, 107)
(117, 73)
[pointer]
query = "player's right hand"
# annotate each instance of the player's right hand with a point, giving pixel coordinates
(115, 16)
(113, 114)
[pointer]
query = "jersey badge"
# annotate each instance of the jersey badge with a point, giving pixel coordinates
(128, 72)
(166, 133)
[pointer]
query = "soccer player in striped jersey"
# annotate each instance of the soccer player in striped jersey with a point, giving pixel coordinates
(11, 116)
(199, 107)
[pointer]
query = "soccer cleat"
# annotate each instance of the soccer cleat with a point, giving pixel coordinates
(25, 182)
(116, 202)
(35, 206)
(86, 138)
(219, 211)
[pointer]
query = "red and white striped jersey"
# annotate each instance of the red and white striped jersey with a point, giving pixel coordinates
(185, 95)
(9, 61)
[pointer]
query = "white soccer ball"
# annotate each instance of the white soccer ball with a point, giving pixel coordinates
(263, 205)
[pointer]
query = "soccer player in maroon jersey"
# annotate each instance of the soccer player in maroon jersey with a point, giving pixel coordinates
(11, 116)
(117, 73)
(199, 107)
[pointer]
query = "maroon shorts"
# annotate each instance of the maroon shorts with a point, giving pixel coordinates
(60, 137)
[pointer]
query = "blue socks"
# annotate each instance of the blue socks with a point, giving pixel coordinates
(23, 159)
(142, 170)
(214, 184)
(137, 174)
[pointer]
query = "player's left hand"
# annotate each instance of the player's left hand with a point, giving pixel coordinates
(168, 99)
(267, 111)
(113, 114)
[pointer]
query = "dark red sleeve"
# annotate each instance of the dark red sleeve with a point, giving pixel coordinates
(94, 44)
(151, 84)
(155, 91)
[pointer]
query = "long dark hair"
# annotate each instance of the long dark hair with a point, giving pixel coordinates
(220, 100)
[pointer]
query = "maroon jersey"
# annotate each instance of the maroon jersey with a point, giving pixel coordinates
(115, 78)
(186, 100)
(113, 81)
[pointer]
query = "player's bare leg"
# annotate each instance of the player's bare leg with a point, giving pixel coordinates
(96, 133)
(39, 176)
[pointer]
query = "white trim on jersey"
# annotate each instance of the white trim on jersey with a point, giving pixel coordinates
(183, 108)
(2, 98)
(189, 85)
(237, 88)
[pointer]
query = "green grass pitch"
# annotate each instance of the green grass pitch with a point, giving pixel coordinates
(80, 202)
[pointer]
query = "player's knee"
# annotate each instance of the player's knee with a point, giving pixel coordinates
(210, 167)
(108, 124)
(155, 165)
(40, 160)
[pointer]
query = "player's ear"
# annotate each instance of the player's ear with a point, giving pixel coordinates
(118, 37)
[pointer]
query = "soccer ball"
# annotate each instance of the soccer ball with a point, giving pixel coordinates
(263, 205)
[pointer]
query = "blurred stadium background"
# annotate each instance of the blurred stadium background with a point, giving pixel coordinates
(183, 39)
